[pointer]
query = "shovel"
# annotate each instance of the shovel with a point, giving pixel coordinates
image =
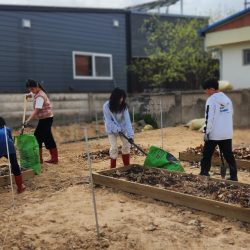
(24, 113)
(132, 143)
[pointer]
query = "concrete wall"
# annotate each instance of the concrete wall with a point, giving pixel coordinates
(177, 107)
(181, 107)
(67, 108)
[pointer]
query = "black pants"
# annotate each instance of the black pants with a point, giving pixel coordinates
(226, 149)
(14, 164)
(43, 133)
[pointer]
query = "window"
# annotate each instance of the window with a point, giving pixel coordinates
(246, 57)
(92, 66)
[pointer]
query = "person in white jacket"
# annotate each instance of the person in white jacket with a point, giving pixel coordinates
(117, 119)
(218, 128)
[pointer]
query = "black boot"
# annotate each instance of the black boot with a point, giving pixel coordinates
(204, 173)
(232, 178)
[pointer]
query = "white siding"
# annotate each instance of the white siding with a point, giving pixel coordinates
(232, 67)
(224, 37)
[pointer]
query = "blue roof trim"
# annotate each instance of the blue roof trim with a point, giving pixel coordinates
(204, 30)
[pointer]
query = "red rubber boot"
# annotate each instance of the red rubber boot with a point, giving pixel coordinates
(41, 155)
(19, 183)
(54, 156)
(112, 163)
(126, 159)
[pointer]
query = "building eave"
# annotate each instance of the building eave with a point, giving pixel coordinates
(208, 28)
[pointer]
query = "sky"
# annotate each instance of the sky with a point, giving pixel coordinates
(220, 8)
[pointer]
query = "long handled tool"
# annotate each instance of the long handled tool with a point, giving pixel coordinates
(24, 113)
(135, 145)
(157, 157)
(123, 135)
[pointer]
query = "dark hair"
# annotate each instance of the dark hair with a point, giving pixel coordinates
(211, 84)
(2, 122)
(114, 101)
(30, 83)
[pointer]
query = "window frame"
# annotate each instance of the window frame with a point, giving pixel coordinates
(245, 63)
(93, 56)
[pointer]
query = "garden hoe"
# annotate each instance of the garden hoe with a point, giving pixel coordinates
(135, 145)
(24, 113)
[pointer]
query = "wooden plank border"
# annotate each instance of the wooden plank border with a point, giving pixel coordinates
(198, 203)
(192, 157)
(5, 180)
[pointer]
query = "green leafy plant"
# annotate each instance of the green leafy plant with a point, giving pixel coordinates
(148, 119)
(175, 53)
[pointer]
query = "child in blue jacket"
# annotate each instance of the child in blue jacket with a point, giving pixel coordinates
(117, 119)
(12, 153)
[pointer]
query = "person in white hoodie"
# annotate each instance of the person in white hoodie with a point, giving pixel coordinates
(218, 128)
(117, 119)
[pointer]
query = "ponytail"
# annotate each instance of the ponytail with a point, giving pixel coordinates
(41, 87)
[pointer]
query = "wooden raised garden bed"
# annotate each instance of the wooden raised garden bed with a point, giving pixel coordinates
(193, 157)
(5, 179)
(224, 198)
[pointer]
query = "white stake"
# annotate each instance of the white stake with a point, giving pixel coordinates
(91, 182)
(8, 154)
(161, 126)
(133, 118)
(97, 126)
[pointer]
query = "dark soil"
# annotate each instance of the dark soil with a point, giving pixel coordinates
(188, 184)
(239, 153)
(104, 154)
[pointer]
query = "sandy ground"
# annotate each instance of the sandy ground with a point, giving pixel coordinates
(56, 211)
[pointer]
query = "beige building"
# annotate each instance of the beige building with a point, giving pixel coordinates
(230, 40)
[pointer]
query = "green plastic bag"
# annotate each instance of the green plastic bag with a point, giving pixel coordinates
(28, 149)
(159, 158)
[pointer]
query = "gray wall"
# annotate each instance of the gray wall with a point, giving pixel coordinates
(177, 107)
(181, 107)
(67, 108)
(44, 51)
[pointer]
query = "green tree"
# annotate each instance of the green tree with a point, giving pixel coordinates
(175, 53)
